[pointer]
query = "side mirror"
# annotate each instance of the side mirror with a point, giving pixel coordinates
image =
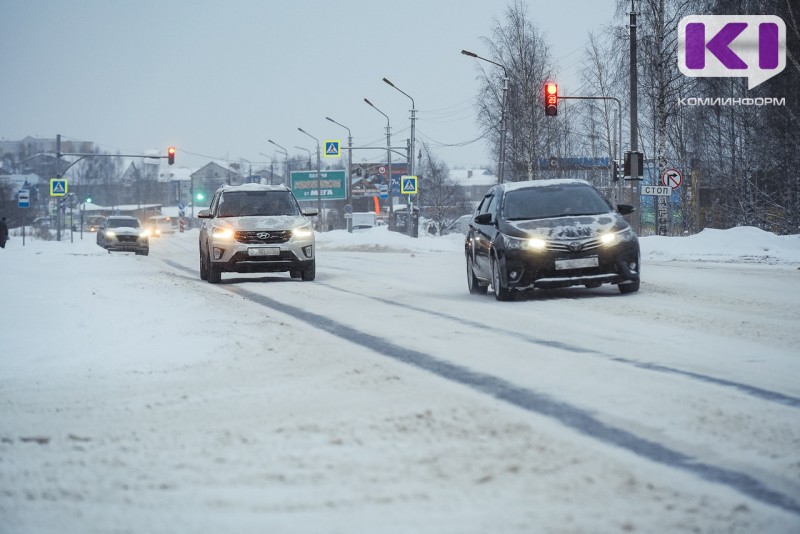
(204, 214)
(310, 212)
(483, 218)
(625, 209)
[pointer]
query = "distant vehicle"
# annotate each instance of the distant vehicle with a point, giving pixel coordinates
(459, 226)
(256, 228)
(124, 234)
(548, 234)
(364, 220)
(93, 222)
(159, 225)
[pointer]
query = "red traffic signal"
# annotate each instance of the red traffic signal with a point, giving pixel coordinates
(550, 99)
(171, 155)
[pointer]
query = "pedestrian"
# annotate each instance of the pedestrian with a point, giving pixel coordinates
(3, 232)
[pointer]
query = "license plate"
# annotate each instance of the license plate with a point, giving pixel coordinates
(263, 251)
(577, 263)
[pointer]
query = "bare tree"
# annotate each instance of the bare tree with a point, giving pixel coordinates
(444, 200)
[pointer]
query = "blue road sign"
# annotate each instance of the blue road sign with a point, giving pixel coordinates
(58, 187)
(332, 149)
(408, 185)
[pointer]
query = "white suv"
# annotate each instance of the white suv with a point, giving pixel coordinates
(256, 228)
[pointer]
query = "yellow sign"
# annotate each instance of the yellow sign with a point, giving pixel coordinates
(408, 185)
(58, 187)
(332, 148)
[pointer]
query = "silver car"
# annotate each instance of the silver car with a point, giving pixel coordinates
(123, 233)
(254, 228)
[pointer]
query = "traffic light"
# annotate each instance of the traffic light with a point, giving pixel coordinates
(550, 99)
(88, 199)
(200, 197)
(171, 155)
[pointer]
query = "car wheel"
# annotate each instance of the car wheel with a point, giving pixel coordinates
(214, 272)
(203, 266)
(500, 292)
(632, 287)
(308, 275)
(475, 287)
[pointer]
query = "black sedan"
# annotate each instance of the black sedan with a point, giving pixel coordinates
(549, 234)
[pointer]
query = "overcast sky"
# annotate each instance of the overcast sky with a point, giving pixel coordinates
(217, 79)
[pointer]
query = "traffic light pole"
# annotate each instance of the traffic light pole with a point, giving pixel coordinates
(619, 120)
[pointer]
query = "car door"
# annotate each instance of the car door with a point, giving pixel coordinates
(483, 230)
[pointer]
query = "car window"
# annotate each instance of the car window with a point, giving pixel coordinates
(123, 223)
(553, 201)
(257, 203)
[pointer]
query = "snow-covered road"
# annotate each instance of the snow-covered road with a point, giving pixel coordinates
(384, 398)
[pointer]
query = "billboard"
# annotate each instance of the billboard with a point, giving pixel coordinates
(330, 185)
(372, 179)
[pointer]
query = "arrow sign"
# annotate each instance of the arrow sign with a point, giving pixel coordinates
(671, 178)
(408, 185)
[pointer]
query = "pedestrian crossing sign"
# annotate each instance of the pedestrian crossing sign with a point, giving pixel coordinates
(408, 185)
(58, 187)
(332, 148)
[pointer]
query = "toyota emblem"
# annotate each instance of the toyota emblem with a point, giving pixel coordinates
(575, 246)
(262, 235)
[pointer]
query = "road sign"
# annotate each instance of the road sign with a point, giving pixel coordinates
(332, 148)
(23, 199)
(58, 187)
(657, 190)
(408, 185)
(330, 185)
(671, 178)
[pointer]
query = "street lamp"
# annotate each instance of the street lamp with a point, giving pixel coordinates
(349, 181)
(389, 161)
(286, 159)
(501, 163)
(411, 156)
(319, 192)
(271, 172)
(309, 155)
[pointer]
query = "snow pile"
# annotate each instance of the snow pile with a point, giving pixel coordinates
(745, 244)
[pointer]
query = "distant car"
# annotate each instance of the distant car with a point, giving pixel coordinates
(123, 233)
(159, 225)
(256, 228)
(93, 223)
(549, 234)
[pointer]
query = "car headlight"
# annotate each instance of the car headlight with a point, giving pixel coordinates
(222, 234)
(533, 243)
(612, 238)
(146, 233)
(303, 232)
(111, 233)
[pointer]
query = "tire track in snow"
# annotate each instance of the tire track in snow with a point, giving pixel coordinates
(570, 416)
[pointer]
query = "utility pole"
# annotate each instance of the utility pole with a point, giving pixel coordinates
(635, 197)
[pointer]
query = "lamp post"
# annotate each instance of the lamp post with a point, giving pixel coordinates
(501, 163)
(411, 155)
(389, 161)
(319, 195)
(271, 161)
(349, 181)
(286, 159)
(309, 155)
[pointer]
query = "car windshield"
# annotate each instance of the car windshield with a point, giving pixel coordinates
(123, 223)
(257, 203)
(553, 201)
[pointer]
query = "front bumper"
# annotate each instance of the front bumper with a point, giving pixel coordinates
(525, 269)
(255, 257)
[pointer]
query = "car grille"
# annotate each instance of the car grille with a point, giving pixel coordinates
(127, 238)
(262, 237)
(573, 246)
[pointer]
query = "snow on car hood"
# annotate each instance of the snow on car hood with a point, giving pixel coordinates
(570, 227)
(126, 230)
(281, 222)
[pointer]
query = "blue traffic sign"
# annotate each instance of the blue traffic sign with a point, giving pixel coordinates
(408, 185)
(332, 149)
(58, 187)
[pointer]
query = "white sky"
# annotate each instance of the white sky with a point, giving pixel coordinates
(220, 78)
(137, 398)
